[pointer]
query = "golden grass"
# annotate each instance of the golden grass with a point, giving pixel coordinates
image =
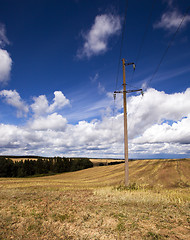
(158, 173)
(95, 161)
(93, 204)
(105, 161)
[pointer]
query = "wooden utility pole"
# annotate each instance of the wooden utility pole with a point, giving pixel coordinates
(125, 118)
(125, 126)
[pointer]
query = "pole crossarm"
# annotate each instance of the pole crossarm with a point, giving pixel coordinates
(127, 64)
(132, 63)
(124, 92)
(129, 91)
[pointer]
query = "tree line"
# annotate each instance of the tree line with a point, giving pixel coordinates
(8, 168)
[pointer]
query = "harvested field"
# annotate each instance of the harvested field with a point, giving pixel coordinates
(94, 204)
(105, 161)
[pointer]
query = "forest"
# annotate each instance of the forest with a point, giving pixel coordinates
(41, 166)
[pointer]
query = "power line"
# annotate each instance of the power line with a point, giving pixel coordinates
(145, 32)
(169, 45)
(121, 47)
(120, 52)
(144, 36)
(131, 85)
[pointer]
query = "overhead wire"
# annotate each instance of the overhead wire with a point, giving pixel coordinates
(131, 85)
(119, 64)
(169, 45)
(120, 53)
(141, 46)
(144, 37)
(121, 46)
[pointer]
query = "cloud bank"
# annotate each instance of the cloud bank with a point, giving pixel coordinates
(158, 123)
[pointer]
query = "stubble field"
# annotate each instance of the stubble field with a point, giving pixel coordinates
(94, 204)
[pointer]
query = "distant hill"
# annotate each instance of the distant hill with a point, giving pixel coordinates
(159, 172)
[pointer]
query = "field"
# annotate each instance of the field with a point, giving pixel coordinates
(95, 161)
(94, 204)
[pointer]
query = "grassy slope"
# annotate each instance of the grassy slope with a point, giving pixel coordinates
(86, 205)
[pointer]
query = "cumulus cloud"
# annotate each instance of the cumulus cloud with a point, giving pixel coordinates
(96, 39)
(20, 140)
(156, 107)
(52, 122)
(5, 59)
(8, 135)
(174, 133)
(59, 101)
(41, 105)
(158, 123)
(5, 66)
(13, 98)
(171, 19)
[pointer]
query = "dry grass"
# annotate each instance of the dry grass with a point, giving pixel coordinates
(105, 161)
(93, 204)
(96, 161)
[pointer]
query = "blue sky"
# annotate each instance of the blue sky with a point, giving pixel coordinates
(58, 70)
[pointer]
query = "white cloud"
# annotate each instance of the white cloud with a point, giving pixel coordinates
(96, 40)
(175, 133)
(156, 107)
(8, 135)
(41, 105)
(52, 122)
(170, 20)
(5, 59)
(59, 101)
(20, 140)
(158, 123)
(13, 98)
(5, 66)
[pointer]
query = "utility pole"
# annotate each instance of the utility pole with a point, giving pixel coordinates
(125, 118)
(125, 126)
